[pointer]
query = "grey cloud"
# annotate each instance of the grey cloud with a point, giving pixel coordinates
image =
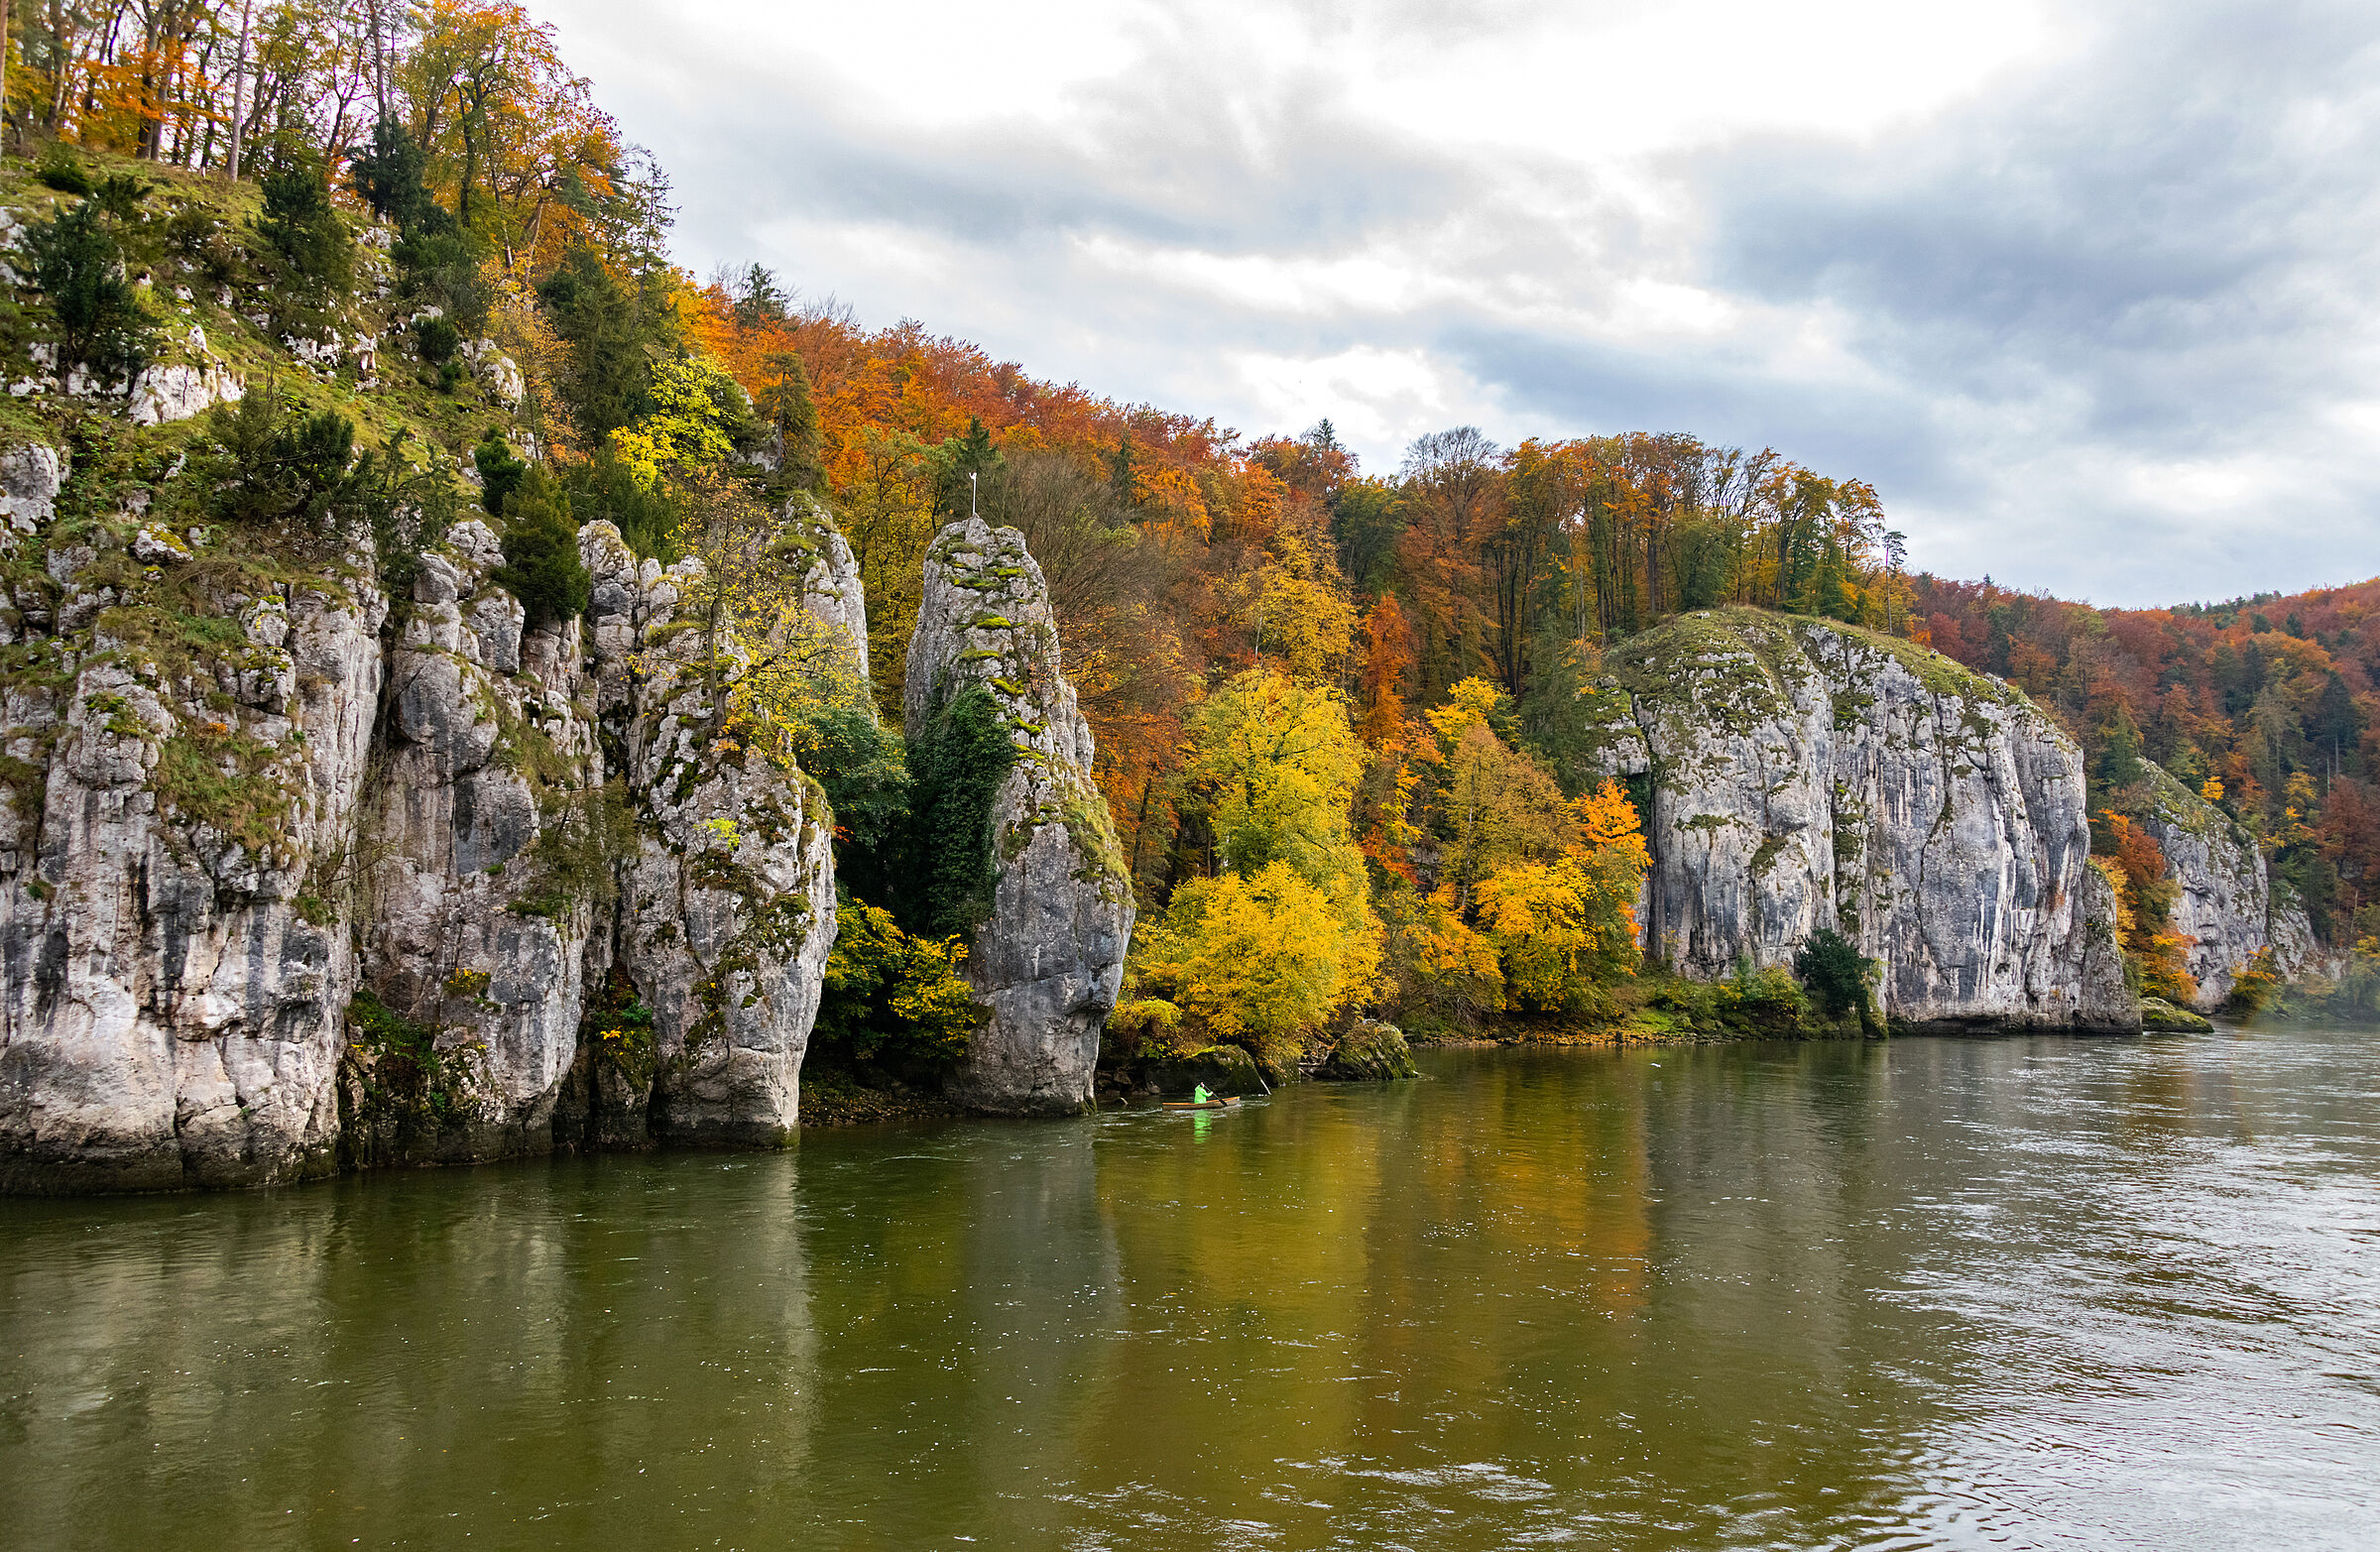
(2137, 226)
(2123, 263)
(1723, 398)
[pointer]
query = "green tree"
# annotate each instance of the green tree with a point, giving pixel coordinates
(436, 260)
(1367, 515)
(542, 566)
(957, 763)
(967, 462)
(789, 407)
(305, 232)
(1836, 975)
(606, 375)
(391, 177)
(96, 318)
(501, 472)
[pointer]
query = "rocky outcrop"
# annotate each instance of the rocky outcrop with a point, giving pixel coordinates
(1804, 775)
(169, 391)
(1223, 1069)
(484, 861)
(2224, 902)
(1369, 1051)
(2159, 1016)
(728, 909)
(30, 479)
(177, 966)
(1048, 958)
(829, 579)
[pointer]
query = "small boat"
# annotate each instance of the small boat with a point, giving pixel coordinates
(1224, 1103)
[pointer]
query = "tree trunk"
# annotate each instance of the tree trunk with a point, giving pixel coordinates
(239, 90)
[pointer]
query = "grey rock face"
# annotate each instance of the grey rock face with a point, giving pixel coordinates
(831, 589)
(1049, 958)
(2225, 901)
(174, 980)
(178, 389)
(727, 911)
(490, 745)
(1805, 774)
(30, 479)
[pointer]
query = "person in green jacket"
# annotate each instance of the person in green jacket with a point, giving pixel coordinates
(1200, 1095)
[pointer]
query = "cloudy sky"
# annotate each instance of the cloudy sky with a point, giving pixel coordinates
(2086, 290)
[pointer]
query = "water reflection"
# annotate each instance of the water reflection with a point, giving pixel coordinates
(2005, 1292)
(395, 1358)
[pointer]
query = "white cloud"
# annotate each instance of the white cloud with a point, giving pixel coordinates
(2079, 286)
(1369, 396)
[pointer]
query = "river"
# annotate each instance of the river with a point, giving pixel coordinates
(2015, 1292)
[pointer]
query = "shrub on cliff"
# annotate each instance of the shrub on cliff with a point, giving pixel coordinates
(2156, 955)
(436, 340)
(96, 318)
(542, 566)
(1835, 974)
(60, 168)
(280, 468)
(603, 489)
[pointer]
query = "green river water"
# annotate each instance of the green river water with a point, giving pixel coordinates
(2017, 1292)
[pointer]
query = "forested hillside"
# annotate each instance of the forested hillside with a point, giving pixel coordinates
(1346, 719)
(2264, 704)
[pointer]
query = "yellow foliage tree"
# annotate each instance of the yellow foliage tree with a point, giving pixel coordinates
(1260, 959)
(1284, 936)
(696, 404)
(1278, 763)
(1563, 928)
(1296, 612)
(1496, 805)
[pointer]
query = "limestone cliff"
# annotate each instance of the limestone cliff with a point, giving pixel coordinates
(487, 763)
(2224, 902)
(1048, 958)
(282, 892)
(727, 910)
(180, 804)
(1805, 774)
(829, 575)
